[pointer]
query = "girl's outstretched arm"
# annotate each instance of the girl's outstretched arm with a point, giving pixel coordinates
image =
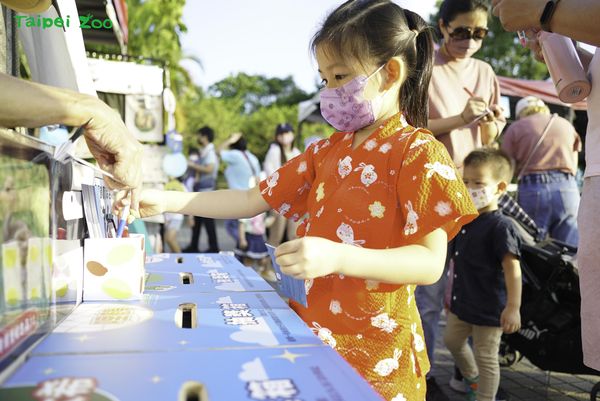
(222, 204)
(420, 263)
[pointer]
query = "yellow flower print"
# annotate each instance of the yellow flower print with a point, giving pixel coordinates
(377, 210)
(321, 191)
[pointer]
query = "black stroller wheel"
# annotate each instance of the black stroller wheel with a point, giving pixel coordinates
(594, 392)
(508, 356)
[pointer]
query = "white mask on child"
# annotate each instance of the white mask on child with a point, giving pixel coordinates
(481, 196)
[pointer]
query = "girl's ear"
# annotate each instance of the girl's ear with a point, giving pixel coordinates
(396, 72)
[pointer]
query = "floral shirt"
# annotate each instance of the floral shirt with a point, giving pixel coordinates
(397, 186)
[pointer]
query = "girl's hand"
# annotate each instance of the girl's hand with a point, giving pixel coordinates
(474, 108)
(151, 203)
(510, 319)
(308, 257)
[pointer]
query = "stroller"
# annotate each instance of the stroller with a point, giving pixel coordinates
(550, 335)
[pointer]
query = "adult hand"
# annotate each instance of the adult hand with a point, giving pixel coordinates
(518, 15)
(534, 44)
(308, 257)
(474, 108)
(113, 146)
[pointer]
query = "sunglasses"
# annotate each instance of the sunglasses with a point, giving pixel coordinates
(465, 32)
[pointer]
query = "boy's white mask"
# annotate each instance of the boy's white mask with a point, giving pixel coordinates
(481, 196)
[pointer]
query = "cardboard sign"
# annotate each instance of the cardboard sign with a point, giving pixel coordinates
(279, 374)
(179, 323)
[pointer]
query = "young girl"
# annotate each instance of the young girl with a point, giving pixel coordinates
(379, 199)
(280, 151)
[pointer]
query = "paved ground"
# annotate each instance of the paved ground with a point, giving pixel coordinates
(522, 381)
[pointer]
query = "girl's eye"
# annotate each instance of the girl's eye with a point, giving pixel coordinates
(340, 77)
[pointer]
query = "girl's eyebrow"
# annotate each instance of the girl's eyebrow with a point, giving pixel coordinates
(329, 67)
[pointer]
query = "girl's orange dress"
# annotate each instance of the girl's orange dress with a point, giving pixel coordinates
(397, 186)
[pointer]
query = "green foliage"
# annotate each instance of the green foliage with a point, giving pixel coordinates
(155, 27)
(507, 57)
(257, 91)
(259, 127)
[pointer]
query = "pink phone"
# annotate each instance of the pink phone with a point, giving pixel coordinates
(565, 67)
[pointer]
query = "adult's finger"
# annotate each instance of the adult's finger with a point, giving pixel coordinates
(135, 194)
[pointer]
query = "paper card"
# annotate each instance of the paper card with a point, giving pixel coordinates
(290, 287)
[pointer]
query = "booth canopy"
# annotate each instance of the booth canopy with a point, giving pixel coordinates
(544, 90)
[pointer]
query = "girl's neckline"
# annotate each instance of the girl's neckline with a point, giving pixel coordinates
(386, 129)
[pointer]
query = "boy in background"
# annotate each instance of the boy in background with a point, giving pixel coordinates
(486, 287)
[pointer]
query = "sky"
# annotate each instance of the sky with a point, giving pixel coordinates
(260, 37)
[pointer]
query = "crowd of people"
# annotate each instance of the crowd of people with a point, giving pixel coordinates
(406, 202)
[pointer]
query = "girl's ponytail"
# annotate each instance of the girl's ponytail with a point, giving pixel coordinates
(414, 93)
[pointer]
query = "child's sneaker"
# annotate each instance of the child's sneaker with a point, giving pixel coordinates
(471, 394)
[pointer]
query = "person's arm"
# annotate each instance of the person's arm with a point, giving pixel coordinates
(29, 104)
(475, 107)
(202, 168)
(576, 19)
(221, 204)
(440, 126)
(510, 318)
(233, 138)
(419, 263)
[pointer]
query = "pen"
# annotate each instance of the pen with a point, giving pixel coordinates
(522, 38)
(487, 109)
(469, 92)
(123, 221)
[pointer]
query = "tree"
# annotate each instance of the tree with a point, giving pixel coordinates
(506, 55)
(257, 91)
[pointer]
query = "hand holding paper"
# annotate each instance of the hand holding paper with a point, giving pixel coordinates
(289, 286)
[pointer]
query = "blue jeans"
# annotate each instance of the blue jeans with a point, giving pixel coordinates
(430, 302)
(551, 199)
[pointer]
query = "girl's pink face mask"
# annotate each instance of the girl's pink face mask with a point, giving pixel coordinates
(346, 108)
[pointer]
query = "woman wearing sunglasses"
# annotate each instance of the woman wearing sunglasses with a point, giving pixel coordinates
(464, 115)
(464, 92)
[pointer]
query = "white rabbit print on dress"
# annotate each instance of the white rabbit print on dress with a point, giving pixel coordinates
(418, 342)
(324, 334)
(411, 226)
(346, 234)
(447, 172)
(418, 142)
(284, 208)
(308, 283)
(345, 166)
(388, 365)
(335, 307)
(271, 183)
(368, 175)
(384, 322)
